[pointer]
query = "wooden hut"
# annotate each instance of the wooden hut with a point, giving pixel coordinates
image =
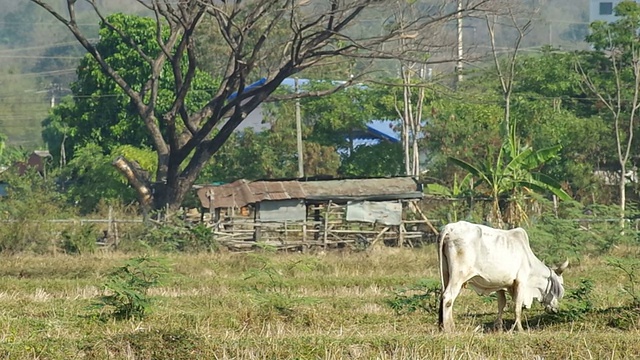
(299, 213)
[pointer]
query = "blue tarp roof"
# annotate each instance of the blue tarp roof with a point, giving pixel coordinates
(384, 130)
(250, 87)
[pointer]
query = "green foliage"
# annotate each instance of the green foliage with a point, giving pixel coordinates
(578, 302)
(408, 300)
(100, 112)
(334, 117)
(79, 240)
(379, 160)
(457, 197)
(178, 235)
(620, 33)
(269, 288)
(126, 288)
(251, 155)
(30, 202)
(90, 178)
(577, 231)
(506, 178)
(630, 267)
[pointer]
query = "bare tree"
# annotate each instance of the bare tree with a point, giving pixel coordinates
(622, 101)
(506, 72)
(318, 32)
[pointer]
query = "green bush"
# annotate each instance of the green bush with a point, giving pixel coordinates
(631, 269)
(178, 235)
(126, 289)
(579, 302)
(424, 296)
(79, 239)
(269, 289)
(31, 202)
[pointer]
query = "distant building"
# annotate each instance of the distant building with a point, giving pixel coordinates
(600, 10)
(37, 160)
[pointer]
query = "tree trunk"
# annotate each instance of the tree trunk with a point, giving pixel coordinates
(138, 179)
(623, 195)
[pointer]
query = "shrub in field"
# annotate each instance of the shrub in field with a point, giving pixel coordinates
(178, 235)
(269, 288)
(126, 288)
(424, 296)
(79, 239)
(578, 302)
(31, 201)
(631, 269)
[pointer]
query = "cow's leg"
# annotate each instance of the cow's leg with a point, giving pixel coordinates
(517, 305)
(447, 299)
(502, 302)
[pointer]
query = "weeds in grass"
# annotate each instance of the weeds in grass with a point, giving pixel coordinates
(79, 240)
(126, 288)
(580, 302)
(631, 268)
(154, 344)
(407, 300)
(270, 290)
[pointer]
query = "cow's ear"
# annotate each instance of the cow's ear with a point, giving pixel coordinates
(560, 269)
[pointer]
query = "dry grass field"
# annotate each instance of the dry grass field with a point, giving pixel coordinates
(298, 306)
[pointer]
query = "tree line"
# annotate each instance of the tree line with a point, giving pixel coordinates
(147, 93)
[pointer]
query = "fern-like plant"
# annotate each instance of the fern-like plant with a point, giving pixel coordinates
(125, 294)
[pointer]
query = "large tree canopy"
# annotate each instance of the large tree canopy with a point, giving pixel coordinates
(310, 34)
(101, 112)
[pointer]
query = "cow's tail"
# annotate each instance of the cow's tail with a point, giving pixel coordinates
(441, 260)
(443, 267)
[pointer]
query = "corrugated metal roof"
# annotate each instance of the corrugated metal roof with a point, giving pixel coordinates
(364, 189)
(242, 192)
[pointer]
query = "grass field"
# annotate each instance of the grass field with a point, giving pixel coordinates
(297, 306)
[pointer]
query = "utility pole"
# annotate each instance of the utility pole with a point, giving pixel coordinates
(299, 132)
(53, 88)
(460, 47)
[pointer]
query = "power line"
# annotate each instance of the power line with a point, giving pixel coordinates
(30, 23)
(47, 46)
(52, 72)
(39, 57)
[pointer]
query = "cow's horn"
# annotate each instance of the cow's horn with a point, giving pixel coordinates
(562, 267)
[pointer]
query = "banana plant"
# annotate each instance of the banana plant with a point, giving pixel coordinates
(457, 191)
(511, 176)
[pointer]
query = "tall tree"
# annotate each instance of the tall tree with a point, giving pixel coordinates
(185, 140)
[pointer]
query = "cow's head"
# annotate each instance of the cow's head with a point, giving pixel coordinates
(555, 289)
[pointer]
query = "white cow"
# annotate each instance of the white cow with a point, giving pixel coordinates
(492, 260)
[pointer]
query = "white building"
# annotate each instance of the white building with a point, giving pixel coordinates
(602, 10)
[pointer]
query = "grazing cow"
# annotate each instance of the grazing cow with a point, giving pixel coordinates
(492, 260)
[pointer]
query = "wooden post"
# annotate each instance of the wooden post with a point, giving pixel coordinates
(326, 224)
(109, 225)
(378, 237)
(210, 196)
(316, 219)
(257, 229)
(401, 231)
(116, 237)
(286, 233)
(424, 217)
